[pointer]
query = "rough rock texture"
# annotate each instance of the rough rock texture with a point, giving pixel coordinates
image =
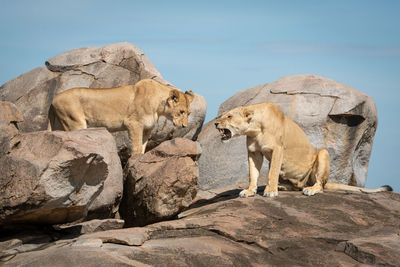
(106, 204)
(333, 115)
(53, 177)
(329, 229)
(160, 183)
(10, 117)
(97, 67)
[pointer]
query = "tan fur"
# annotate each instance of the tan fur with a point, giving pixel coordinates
(293, 160)
(135, 108)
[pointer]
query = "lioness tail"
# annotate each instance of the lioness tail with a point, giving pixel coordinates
(335, 186)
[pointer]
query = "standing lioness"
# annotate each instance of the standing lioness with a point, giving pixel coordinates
(293, 160)
(135, 108)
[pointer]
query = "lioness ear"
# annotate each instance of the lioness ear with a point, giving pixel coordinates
(173, 97)
(189, 96)
(247, 114)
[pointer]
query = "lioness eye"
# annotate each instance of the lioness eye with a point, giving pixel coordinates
(229, 117)
(182, 112)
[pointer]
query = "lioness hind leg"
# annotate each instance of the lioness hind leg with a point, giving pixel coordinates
(145, 138)
(319, 174)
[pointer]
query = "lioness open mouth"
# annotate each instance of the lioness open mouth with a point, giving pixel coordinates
(225, 134)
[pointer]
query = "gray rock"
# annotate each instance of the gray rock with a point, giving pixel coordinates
(53, 177)
(106, 204)
(160, 183)
(97, 67)
(19, 86)
(333, 115)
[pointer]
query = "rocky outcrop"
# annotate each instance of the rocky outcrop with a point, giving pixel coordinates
(329, 229)
(97, 67)
(160, 183)
(333, 115)
(53, 177)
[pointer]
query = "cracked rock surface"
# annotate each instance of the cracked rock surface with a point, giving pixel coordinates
(333, 115)
(220, 229)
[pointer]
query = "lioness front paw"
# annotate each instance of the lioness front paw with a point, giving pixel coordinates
(247, 193)
(270, 194)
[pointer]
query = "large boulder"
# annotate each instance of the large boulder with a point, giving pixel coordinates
(333, 115)
(53, 177)
(330, 229)
(160, 183)
(96, 67)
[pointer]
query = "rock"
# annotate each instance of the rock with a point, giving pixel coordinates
(10, 117)
(90, 226)
(93, 243)
(224, 230)
(53, 177)
(381, 250)
(97, 67)
(333, 115)
(24, 239)
(160, 183)
(106, 204)
(130, 237)
(10, 114)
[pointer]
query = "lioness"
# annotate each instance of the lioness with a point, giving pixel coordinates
(293, 160)
(135, 108)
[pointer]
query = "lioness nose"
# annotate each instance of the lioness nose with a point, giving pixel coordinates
(216, 125)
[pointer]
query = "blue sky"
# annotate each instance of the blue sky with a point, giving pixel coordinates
(217, 48)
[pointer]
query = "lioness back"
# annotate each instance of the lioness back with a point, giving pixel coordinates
(97, 107)
(135, 108)
(108, 107)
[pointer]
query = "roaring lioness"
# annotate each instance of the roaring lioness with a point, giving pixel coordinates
(293, 160)
(135, 108)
